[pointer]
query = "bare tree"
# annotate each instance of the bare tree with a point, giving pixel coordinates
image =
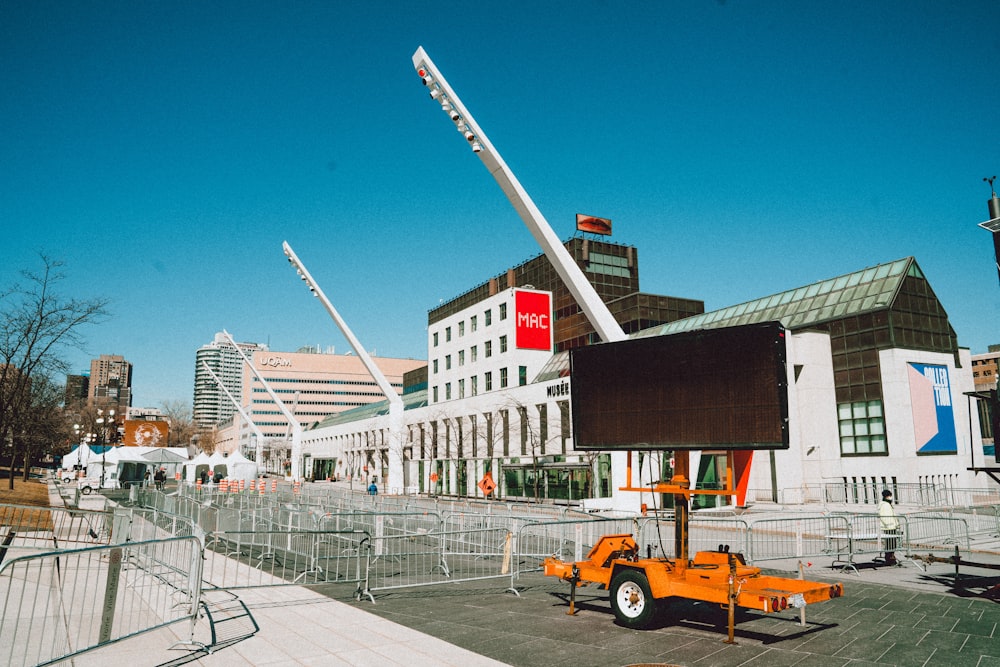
(182, 426)
(36, 326)
(41, 426)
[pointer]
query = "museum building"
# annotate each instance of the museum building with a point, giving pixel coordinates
(877, 388)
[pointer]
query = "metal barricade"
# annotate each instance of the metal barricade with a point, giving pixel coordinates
(406, 561)
(566, 540)
(250, 559)
(798, 537)
(49, 528)
(934, 531)
(63, 603)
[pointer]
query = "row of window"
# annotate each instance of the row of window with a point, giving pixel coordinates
(473, 384)
(473, 355)
(312, 381)
(473, 324)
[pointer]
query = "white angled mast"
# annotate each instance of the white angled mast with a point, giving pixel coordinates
(395, 482)
(581, 289)
(293, 422)
(243, 413)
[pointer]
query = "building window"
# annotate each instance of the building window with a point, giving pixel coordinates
(435, 394)
(488, 348)
(488, 380)
(503, 311)
(522, 376)
(435, 365)
(447, 391)
(461, 388)
(503, 344)
(461, 328)
(473, 354)
(447, 362)
(447, 334)
(435, 339)
(475, 386)
(503, 378)
(862, 428)
(472, 323)
(488, 317)
(461, 357)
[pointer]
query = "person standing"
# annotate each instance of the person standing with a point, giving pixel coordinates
(890, 527)
(373, 489)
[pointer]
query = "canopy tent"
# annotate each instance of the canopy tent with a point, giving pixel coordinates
(240, 467)
(194, 467)
(83, 455)
(217, 464)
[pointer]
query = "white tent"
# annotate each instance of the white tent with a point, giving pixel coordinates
(193, 468)
(81, 455)
(217, 464)
(240, 467)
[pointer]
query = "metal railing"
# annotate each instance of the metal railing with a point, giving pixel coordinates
(63, 603)
(404, 561)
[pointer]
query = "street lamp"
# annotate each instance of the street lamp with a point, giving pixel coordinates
(104, 437)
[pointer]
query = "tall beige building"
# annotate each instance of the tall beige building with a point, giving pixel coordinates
(110, 385)
(312, 386)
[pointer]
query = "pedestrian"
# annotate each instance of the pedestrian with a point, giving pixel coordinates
(160, 477)
(373, 489)
(890, 527)
(145, 479)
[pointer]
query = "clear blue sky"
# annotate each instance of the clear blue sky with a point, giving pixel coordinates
(164, 150)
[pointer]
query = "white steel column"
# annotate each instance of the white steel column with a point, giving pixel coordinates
(395, 483)
(257, 432)
(576, 282)
(293, 422)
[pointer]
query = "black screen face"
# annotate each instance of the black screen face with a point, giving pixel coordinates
(710, 389)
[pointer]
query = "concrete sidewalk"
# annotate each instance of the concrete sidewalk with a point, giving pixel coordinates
(902, 615)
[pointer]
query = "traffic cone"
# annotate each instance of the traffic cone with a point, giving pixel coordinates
(274, 486)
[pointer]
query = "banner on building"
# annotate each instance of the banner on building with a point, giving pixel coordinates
(588, 223)
(533, 329)
(141, 433)
(933, 413)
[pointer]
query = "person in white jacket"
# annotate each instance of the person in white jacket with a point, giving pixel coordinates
(890, 526)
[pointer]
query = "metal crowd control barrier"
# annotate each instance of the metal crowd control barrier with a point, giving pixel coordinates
(251, 559)
(405, 561)
(705, 533)
(797, 537)
(48, 528)
(930, 531)
(566, 540)
(60, 604)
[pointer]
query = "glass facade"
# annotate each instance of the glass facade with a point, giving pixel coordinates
(882, 307)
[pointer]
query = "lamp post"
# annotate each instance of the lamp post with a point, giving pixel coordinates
(103, 436)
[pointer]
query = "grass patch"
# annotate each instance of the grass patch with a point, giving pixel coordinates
(34, 492)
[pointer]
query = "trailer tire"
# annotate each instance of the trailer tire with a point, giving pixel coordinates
(631, 600)
(86, 490)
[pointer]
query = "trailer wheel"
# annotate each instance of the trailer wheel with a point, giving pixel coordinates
(86, 490)
(631, 600)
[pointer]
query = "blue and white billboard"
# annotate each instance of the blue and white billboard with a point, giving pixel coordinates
(933, 414)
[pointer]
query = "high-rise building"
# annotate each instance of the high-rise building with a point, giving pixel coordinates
(110, 383)
(211, 405)
(76, 390)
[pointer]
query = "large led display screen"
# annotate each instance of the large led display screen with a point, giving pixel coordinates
(709, 389)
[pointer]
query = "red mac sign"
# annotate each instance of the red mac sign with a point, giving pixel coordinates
(534, 320)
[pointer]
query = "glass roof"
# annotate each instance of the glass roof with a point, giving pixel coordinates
(866, 290)
(416, 399)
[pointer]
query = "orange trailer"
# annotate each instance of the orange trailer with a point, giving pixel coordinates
(637, 585)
